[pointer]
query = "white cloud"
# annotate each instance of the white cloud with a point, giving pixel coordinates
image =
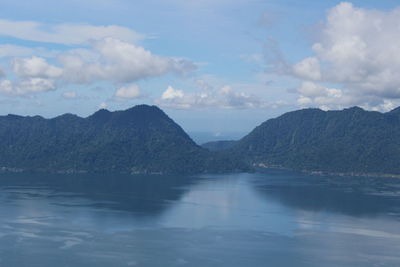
(312, 94)
(69, 95)
(171, 93)
(308, 68)
(316, 95)
(358, 50)
(35, 67)
(26, 86)
(69, 34)
(102, 54)
(108, 60)
(310, 89)
(118, 61)
(35, 85)
(225, 98)
(128, 92)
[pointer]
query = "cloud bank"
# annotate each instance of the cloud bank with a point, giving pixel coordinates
(224, 97)
(100, 54)
(359, 51)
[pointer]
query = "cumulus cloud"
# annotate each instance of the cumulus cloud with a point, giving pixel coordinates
(171, 93)
(358, 50)
(317, 95)
(104, 53)
(32, 75)
(35, 85)
(26, 86)
(308, 68)
(69, 34)
(101, 54)
(118, 61)
(224, 97)
(35, 67)
(108, 60)
(128, 92)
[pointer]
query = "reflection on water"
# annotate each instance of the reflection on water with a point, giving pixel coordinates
(355, 196)
(271, 219)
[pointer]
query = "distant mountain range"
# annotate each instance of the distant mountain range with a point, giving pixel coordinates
(142, 139)
(219, 145)
(348, 141)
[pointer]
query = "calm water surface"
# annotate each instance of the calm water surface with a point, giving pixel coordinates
(268, 219)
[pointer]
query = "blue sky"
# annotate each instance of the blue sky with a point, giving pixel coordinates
(217, 66)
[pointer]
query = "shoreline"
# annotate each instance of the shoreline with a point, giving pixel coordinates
(260, 166)
(327, 173)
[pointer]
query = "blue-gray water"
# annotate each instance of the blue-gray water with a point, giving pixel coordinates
(271, 219)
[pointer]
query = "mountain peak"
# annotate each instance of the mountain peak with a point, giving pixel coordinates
(141, 139)
(144, 109)
(67, 116)
(101, 115)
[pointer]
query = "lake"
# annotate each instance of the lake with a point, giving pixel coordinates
(276, 218)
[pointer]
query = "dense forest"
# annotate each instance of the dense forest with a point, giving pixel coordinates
(350, 140)
(142, 139)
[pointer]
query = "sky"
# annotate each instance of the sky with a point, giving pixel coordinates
(215, 66)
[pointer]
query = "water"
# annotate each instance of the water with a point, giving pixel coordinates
(268, 219)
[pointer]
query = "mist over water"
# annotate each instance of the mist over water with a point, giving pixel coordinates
(275, 218)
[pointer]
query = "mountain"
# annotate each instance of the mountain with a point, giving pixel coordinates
(219, 145)
(142, 139)
(351, 140)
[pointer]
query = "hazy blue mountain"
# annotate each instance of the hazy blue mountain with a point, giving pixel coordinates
(219, 145)
(206, 137)
(142, 139)
(351, 140)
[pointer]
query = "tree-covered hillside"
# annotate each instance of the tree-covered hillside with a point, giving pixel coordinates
(142, 139)
(351, 140)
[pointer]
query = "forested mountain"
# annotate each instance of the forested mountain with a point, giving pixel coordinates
(350, 140)
(142, 139)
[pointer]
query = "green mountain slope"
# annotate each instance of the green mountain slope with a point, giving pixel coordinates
(142, 139)
(351, 140)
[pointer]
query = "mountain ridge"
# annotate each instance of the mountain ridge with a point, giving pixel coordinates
(349, 140)
(142, 139)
